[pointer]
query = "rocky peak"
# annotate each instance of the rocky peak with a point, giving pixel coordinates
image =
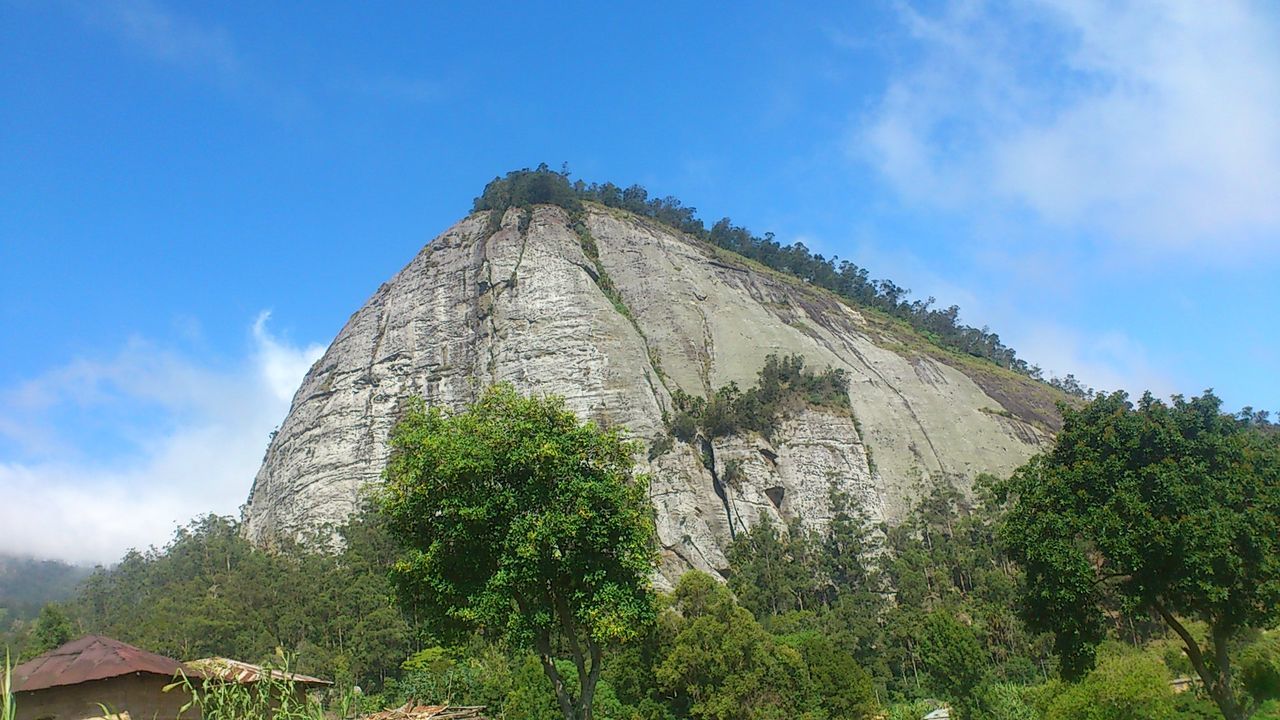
(617, 313)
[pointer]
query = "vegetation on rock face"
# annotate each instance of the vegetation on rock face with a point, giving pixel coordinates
(784, 386)
(1169, 511)
(523, 522)
(602, 279)
(521, 188)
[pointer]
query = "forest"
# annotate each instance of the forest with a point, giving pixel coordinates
(852, 621)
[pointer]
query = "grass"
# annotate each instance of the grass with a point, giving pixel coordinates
(9, 710)
(270, 698)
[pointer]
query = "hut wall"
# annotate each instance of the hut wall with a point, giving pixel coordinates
(140, 695)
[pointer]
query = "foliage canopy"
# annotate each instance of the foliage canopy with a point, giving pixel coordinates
(1168, 510)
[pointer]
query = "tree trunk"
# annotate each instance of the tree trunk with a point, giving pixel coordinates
(1228, 703)
(549, 669)
(1217, 680)
(590, 680)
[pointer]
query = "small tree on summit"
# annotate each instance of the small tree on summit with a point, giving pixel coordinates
(519, 519)
(1172, 511)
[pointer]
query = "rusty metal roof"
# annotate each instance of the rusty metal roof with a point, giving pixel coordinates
(92, 657)
(243, 672)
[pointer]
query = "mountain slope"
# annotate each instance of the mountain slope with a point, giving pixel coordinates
(616, 313)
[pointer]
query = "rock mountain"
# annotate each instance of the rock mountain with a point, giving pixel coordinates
(519, 298)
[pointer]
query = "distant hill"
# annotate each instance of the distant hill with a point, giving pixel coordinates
(26, 584)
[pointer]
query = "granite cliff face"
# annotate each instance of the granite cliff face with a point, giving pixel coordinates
(524, 304)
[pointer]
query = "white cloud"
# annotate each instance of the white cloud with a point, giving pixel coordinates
(1153, 122)
(1107, 361)
(78, 507)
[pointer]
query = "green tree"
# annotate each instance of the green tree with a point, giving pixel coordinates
(51, 630)
(521, 520)
(1172, 511)
(843, 688)
(210, 592)
(772, 572)
(1260, 667)
(720, 664)
(955, 662)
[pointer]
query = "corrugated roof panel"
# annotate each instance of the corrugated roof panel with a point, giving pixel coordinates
(92, 657)
(243, 672)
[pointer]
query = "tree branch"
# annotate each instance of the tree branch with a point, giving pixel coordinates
(570, 632)
(589, 684)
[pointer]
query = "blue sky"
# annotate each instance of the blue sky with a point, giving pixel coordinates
(195, 196)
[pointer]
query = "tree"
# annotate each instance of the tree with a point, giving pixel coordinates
(52, 629)
(842, 687)
(955, 661)
(521, 521)
(772, 573)
(1170, 511)
(210, 592)
(720, 664)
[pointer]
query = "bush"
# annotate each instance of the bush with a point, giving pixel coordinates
(1006, 701)
(1260, 668)
(522, 188)
(1121, 687)
(784, 386)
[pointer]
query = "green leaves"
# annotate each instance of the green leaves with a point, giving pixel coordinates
(1171, 510)
(521, 521)
(1122, 687)
(784, 386)
(723, 664)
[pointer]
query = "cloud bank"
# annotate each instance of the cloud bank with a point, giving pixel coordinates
(70, 498)
(1151, 122)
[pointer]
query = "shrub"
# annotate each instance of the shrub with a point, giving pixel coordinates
(784, 386)
(1122, 687)
(1260, 668)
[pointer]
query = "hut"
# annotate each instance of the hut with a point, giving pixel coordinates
(77, 680)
